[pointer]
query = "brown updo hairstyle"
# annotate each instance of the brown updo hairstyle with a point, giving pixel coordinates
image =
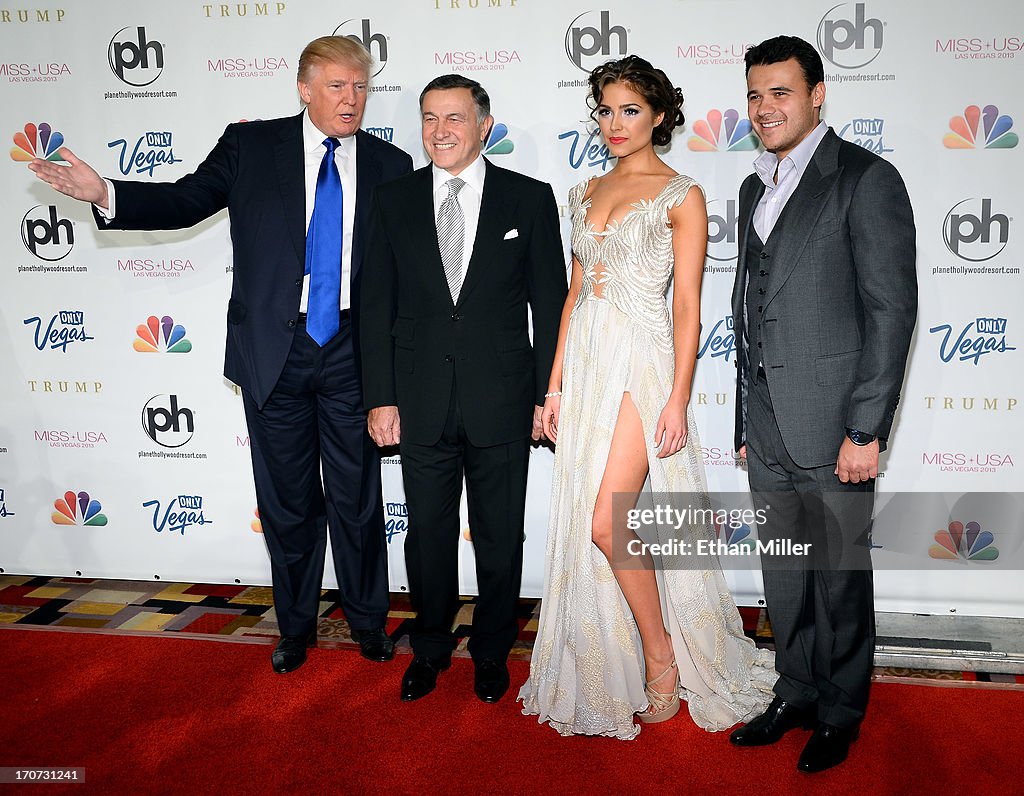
(650, 83)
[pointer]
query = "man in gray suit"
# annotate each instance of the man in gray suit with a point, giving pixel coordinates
(825, 299)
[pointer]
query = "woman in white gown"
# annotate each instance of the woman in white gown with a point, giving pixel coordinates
(614, 643)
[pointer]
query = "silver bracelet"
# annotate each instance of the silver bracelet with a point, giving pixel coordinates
(552, 394)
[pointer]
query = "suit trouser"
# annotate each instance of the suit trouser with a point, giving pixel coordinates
(821, 606)
(496, 493)
(314, 419)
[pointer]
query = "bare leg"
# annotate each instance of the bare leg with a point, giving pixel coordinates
(626, 472)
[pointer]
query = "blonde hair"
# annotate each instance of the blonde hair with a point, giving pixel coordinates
(335, 50)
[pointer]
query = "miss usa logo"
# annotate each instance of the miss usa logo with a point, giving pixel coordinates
(980, 337)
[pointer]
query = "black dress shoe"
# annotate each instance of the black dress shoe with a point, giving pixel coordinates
(491, 680)
(421, 677)
(290, 652)
(375, 645)
(770, 726)
(828, 747)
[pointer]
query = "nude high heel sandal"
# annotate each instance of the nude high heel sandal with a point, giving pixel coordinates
(665, 705)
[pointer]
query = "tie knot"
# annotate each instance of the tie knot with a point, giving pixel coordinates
(454, 186)
(331, 144)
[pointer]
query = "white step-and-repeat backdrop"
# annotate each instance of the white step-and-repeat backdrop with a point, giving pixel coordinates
(123, 452)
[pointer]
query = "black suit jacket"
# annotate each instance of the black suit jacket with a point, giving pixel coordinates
(257, 171)
(841, 301)
(416, 341)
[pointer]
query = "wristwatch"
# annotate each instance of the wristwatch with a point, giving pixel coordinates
(859, 437)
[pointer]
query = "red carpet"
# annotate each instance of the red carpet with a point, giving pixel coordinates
(172, 715)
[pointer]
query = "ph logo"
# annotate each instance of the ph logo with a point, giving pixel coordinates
(583, 41)
(975, 237)
(166, 423)
(359, 30)
(844, 42)
(46, 235)
(722, 230)
(133, 58)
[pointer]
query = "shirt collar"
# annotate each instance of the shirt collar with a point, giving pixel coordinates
(313, 139)
(473, 174)
(768, 163)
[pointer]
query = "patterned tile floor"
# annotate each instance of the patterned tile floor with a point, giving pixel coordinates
(246, 614)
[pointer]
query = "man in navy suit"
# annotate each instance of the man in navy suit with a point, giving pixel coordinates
(300, 386)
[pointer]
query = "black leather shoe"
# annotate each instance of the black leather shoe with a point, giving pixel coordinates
(491, 680)
(375, 645)
(290, 652)
(770, 726)
(421, 677)
(828, 747)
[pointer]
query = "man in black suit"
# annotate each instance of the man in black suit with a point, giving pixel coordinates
(300, 382)
(825, 299)
(458, 251)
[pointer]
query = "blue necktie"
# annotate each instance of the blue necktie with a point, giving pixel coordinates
(323, 251)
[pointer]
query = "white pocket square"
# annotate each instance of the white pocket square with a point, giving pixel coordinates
(512, 233)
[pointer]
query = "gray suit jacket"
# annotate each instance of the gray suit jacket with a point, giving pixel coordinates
(841, 301)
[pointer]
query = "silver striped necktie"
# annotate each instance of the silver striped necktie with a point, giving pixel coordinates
(451, 230)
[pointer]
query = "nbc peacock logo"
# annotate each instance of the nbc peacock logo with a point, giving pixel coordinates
(498, 142)
(257, 524)
(722, 131)
(980, 128)
(37, 141)
(78, 509)
(161, 335)
(738, 535)
(964, 543)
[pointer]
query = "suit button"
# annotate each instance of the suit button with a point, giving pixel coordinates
(449, 358)
(762, 272)
(760, 309)
(291, 323)
(764, 255)
(758, 343)
(456, 317)
(760, 290)
(298, 283)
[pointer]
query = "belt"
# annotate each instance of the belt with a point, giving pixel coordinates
(301, 317)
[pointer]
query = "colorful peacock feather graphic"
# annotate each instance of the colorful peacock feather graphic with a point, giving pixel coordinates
(960, 541)
(37, 141)
(734, 536)
(993, 132)
(161, 335)
(722, 132)
(78, 509)
(498, 142)
(257, 523)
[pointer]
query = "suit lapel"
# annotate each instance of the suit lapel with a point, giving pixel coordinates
(368, 172)
(291, 177)
(422, 229)
(800, 217)
(489, 232)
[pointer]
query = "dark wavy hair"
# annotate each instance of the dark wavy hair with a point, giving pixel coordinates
(650, 83)
(782, 48)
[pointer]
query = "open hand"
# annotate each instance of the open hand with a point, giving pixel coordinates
(78, 179)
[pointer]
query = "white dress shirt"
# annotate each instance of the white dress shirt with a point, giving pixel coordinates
(313, 153)
(345, 158)
(468, 199)
(790, 171)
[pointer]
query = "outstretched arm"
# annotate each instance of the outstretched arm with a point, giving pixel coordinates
(78, 179)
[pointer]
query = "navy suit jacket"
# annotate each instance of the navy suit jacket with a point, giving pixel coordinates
(257, 171)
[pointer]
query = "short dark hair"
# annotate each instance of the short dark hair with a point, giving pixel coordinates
(782, 48)
(480, 98)
(650, 83)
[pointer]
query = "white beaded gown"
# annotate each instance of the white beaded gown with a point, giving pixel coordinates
(587, 670)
